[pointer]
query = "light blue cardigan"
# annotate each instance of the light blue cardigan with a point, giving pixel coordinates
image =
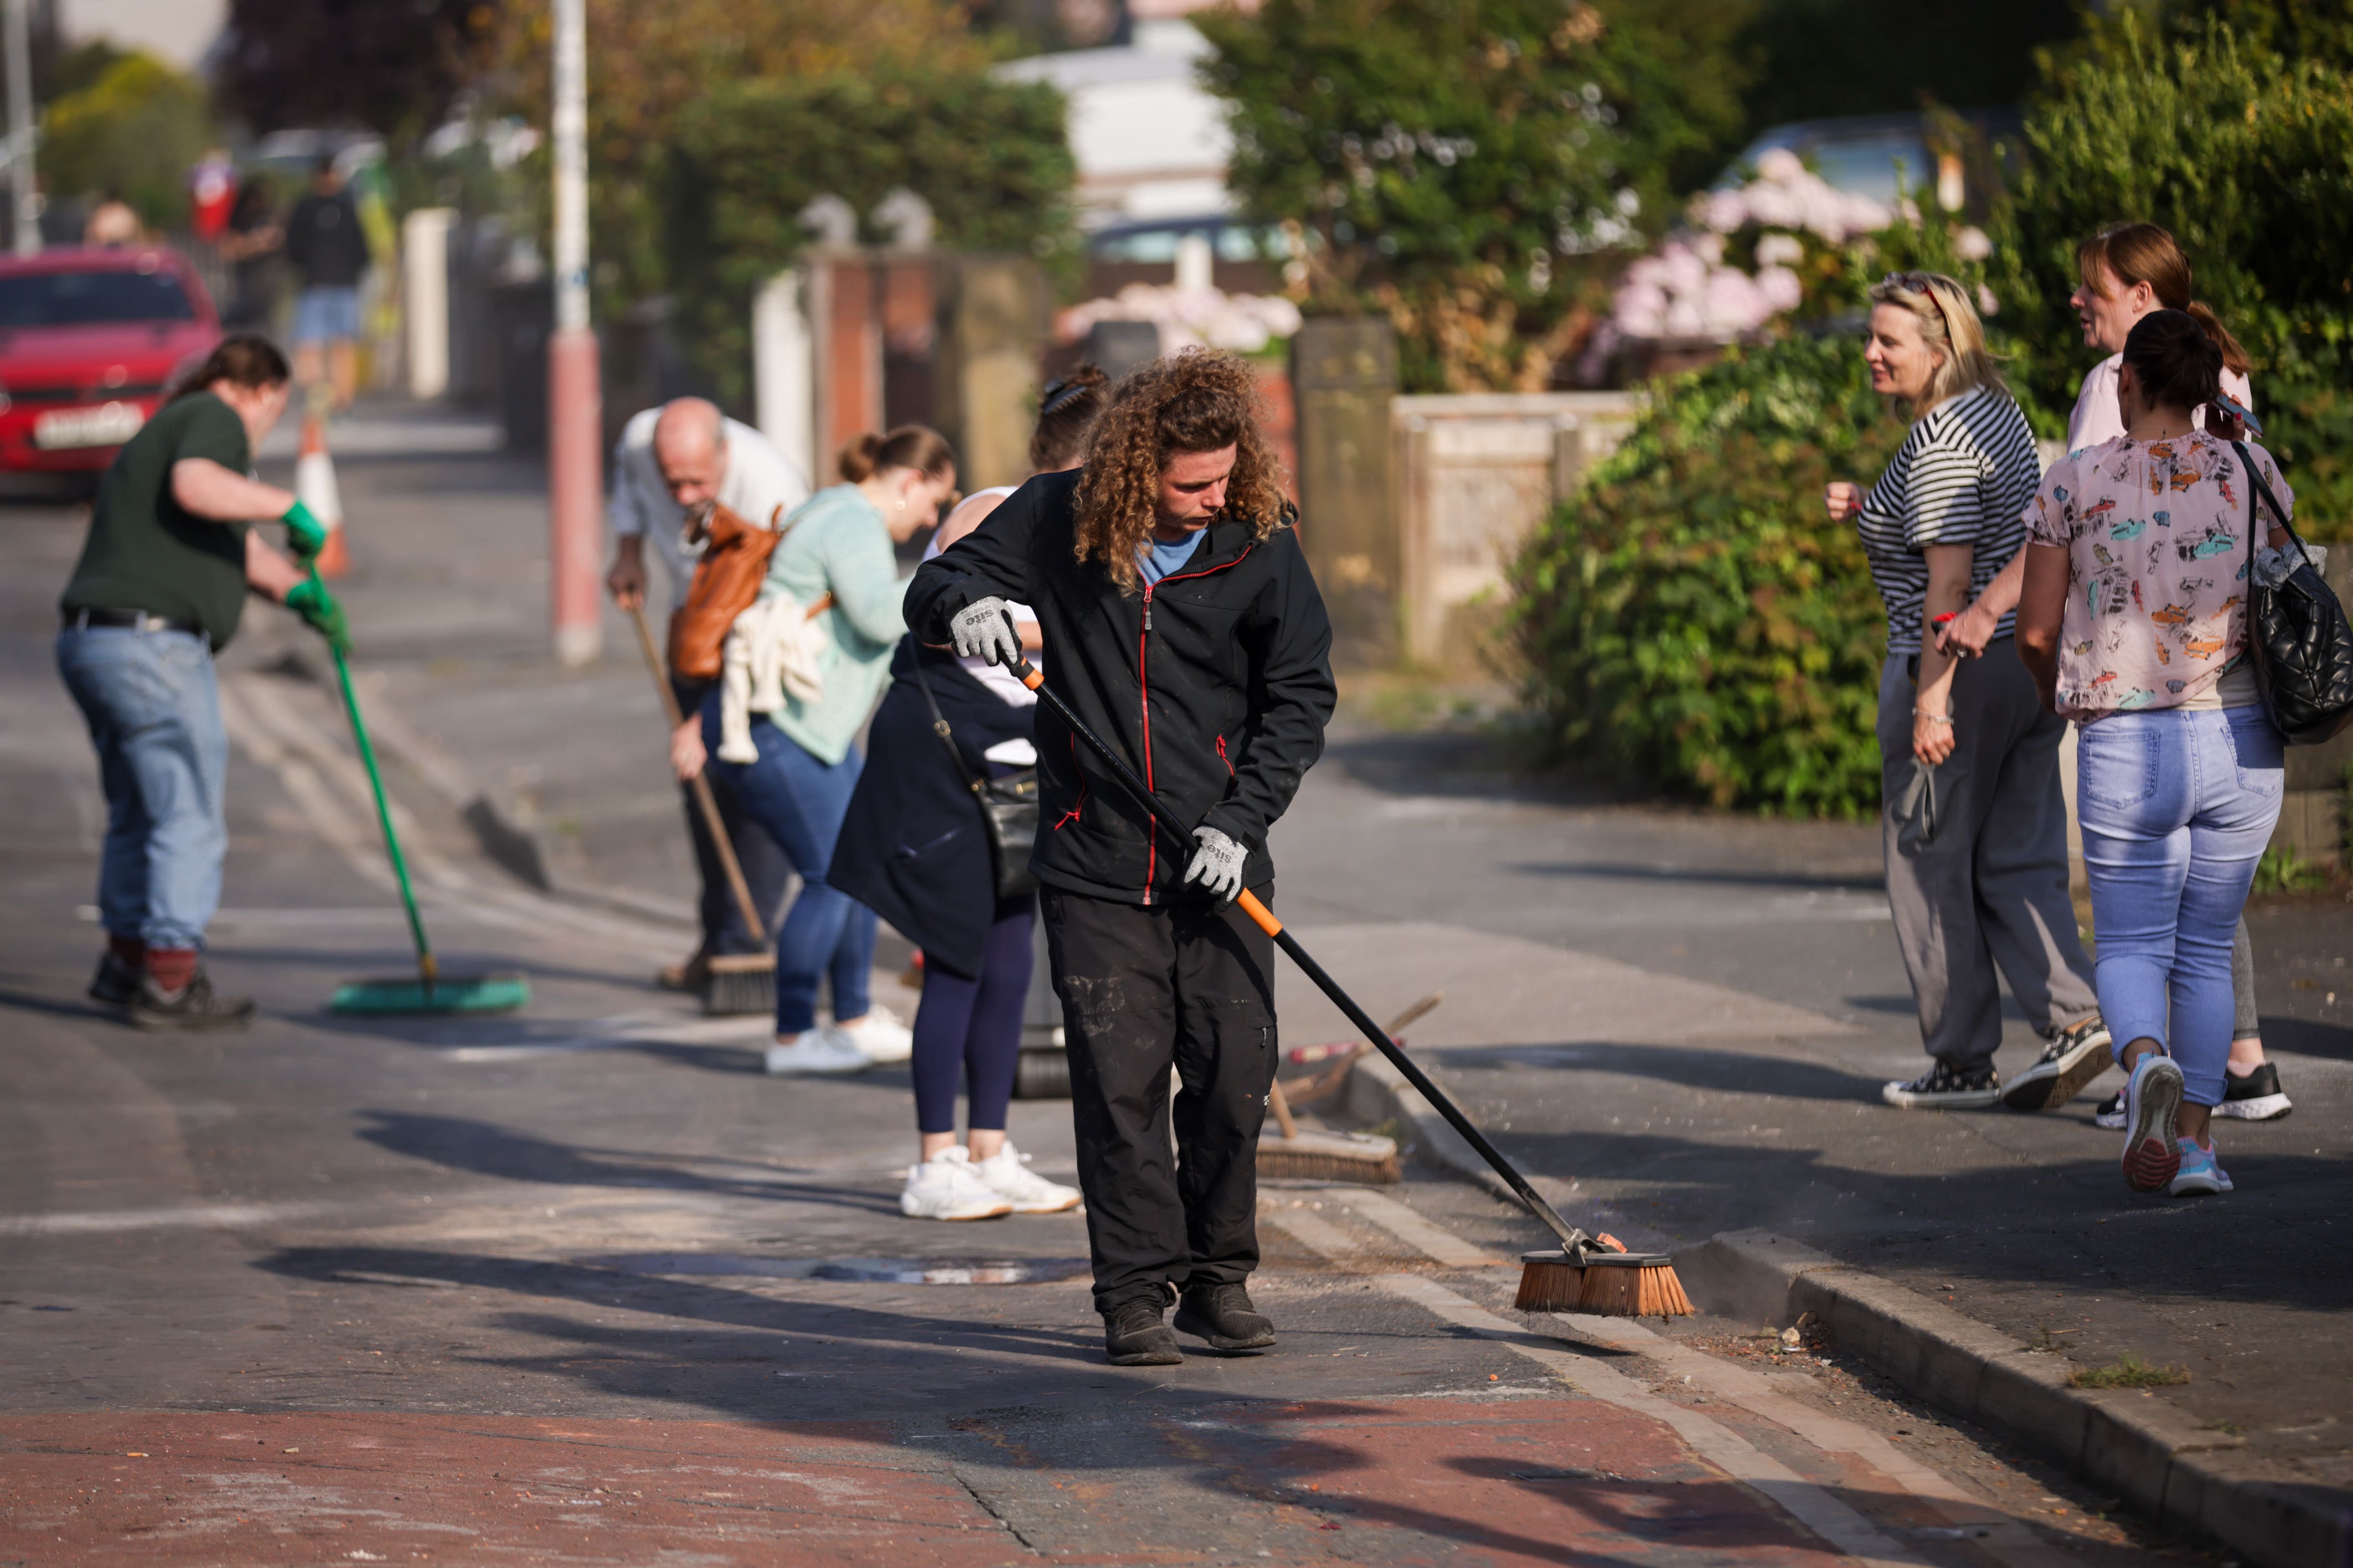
(835, 542)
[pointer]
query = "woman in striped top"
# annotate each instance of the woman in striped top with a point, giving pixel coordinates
(1974, 827)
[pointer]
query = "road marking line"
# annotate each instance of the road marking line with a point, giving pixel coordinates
(1804, 1500)
(1431, 1239)
(1318, 1233)
(197, 1217)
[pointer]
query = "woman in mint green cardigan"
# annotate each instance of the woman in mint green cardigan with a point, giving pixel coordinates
(837, 542)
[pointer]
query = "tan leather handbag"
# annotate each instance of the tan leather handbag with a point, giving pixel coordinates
(726, 580)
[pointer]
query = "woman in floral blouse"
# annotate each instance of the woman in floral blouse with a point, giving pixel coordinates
(2134, 624)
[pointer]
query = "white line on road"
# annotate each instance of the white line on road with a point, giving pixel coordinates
(195, 1217)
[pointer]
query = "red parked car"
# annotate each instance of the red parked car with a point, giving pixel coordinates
(88, 340)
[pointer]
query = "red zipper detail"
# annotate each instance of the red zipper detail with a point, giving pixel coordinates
(1144, 692)
(1223, 758)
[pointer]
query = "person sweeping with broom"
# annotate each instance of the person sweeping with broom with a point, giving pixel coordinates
(158, 592)
(1182, 621)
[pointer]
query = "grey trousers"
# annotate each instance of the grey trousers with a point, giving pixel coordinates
(1988, 889)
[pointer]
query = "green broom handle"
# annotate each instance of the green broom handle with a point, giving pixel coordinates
(1572, 1240)
(425, 965)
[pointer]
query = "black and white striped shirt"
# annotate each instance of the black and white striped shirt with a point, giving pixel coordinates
(1964, 475)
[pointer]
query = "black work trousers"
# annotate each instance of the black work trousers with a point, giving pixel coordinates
(767, 871)
(1143, 988)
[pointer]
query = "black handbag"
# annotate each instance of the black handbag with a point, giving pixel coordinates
(1009, 805)
(2297, 636)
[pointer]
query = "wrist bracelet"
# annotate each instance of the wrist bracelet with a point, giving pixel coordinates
(1932, 718)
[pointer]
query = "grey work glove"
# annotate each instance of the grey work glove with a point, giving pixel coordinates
(1216, 865)
(983, 629)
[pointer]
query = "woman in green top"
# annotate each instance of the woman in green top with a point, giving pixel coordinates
(162, 580)
(838, 543)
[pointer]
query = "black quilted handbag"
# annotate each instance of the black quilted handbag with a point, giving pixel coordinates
(2297, 635)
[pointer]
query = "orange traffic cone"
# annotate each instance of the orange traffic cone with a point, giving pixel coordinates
(314, 483)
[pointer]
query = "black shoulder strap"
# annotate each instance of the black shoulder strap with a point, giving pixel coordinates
(940, 724)
(2256, 487)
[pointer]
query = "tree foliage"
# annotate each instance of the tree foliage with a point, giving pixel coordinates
(989, 157)
(2247, 157)
(1467, 166)
(1814, 59)
(649, 65)
(381, 65)
(1693, 624)
(133, 132)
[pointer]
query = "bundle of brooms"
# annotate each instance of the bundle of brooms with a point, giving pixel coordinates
(1587, 1274)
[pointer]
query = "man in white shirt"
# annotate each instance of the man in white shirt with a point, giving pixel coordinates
(671, 465)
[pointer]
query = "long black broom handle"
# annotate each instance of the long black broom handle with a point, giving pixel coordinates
(1571, 1238)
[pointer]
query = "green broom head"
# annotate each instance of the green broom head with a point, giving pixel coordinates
(450, 993)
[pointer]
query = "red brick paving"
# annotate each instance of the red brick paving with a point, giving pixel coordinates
(1523, 1481)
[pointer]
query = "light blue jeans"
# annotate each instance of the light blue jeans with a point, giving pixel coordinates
(801, 801)
(2176, 808)
(153, 712)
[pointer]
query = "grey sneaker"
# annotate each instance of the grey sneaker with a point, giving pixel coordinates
(2074, 1057)
(194, 1005)
(1944, 1088)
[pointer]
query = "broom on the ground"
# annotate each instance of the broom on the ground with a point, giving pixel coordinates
(1320, 1154)
(739, 982)
(1589, 1274)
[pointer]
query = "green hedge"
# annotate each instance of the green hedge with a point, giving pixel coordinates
(991, 157)
(1693, 624)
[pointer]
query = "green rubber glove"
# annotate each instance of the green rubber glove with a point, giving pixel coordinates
(305, 535)
(310, 600)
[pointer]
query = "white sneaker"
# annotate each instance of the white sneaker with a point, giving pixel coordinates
(945, 1187)
(817, 1051)
(1024, 1188)
(878, 1035)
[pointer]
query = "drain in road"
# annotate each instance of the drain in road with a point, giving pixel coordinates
(854, 1270)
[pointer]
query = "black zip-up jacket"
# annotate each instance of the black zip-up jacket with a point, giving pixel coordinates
(1216, 681)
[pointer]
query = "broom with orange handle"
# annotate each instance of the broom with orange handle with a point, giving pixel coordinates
(1589, 1274)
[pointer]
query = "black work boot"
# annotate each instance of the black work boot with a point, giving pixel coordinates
(193, 1006)
(1222, 1314)
(1133, 1335)
(116, 982)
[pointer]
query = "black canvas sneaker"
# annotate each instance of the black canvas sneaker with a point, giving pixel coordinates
(194, 1005)
(116, 982)
(1222, 1314)
(1942, 1087)
(2074, 1057)
(1133, 1335)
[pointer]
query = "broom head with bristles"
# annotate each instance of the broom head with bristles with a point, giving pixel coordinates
(1315, 1155)
(1604, 1279)
(741, 982)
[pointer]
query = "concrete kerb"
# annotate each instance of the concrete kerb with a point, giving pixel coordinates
(2130, 1441)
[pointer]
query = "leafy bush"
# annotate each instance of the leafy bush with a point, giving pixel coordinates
(133, 132)
(990, 156)
(2248, 158)
(1463, 166)
(1694, 623)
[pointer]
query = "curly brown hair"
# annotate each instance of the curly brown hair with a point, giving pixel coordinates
(1197, 401)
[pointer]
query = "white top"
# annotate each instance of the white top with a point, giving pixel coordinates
(2098, 418)
(761, 486)
(996, 678)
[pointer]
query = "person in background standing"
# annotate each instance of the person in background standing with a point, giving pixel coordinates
(1975, 824)
(330, 252)
(912, 850)
(2124, 273)
(159, 589)
(2134, 624)
(671, 468)
(794, 765)
(252, 245)
(114, 225)
(211, 194)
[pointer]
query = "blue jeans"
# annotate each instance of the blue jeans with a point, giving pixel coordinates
(2176, 808)
(153, 712)
(801, 801)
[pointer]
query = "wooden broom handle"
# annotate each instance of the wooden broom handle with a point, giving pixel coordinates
(700, 787)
